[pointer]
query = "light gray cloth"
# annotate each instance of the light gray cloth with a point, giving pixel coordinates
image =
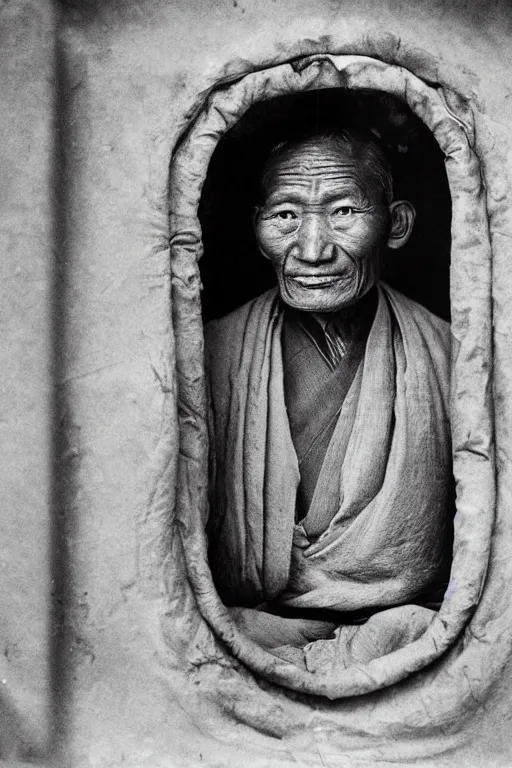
(384, 487)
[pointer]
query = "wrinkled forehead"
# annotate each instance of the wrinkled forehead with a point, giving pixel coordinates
(323, 159)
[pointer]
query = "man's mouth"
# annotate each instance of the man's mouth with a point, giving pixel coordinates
(315, 281)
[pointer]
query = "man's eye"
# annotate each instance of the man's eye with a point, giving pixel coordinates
(344, 210)
(284, 215)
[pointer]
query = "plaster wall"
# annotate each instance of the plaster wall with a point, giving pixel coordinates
(26, 285)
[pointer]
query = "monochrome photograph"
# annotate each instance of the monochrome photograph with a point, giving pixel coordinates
(257, 384)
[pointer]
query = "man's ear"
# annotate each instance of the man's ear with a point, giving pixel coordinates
(402, 214)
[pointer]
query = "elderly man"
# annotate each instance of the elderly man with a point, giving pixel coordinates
(330, 449)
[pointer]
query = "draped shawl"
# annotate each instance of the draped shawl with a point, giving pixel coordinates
(384, 487)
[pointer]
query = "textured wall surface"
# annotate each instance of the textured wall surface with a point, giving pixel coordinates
(128, 74)
(26, 282)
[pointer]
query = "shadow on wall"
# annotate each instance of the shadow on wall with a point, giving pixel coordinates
(233, 271)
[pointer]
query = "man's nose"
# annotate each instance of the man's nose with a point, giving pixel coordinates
(315, 242)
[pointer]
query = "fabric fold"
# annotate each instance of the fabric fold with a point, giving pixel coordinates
(383, 495)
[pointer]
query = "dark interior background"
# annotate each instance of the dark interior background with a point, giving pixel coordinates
(232, 269)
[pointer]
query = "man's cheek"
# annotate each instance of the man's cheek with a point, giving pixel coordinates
(274, 247)
(354, 237)
(359, 245)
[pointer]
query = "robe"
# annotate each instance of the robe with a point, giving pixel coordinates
(313, 377)
(377, 532)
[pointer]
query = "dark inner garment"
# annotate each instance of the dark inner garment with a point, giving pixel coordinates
(312, 378)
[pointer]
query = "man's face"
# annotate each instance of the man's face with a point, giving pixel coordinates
(324, 226)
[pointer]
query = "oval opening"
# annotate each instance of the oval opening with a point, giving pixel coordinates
(472, 419)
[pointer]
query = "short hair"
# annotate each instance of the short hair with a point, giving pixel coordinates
(367, 145)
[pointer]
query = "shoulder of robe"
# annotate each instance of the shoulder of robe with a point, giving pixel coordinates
(227, 332)
(424, 319)
(225, 337)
